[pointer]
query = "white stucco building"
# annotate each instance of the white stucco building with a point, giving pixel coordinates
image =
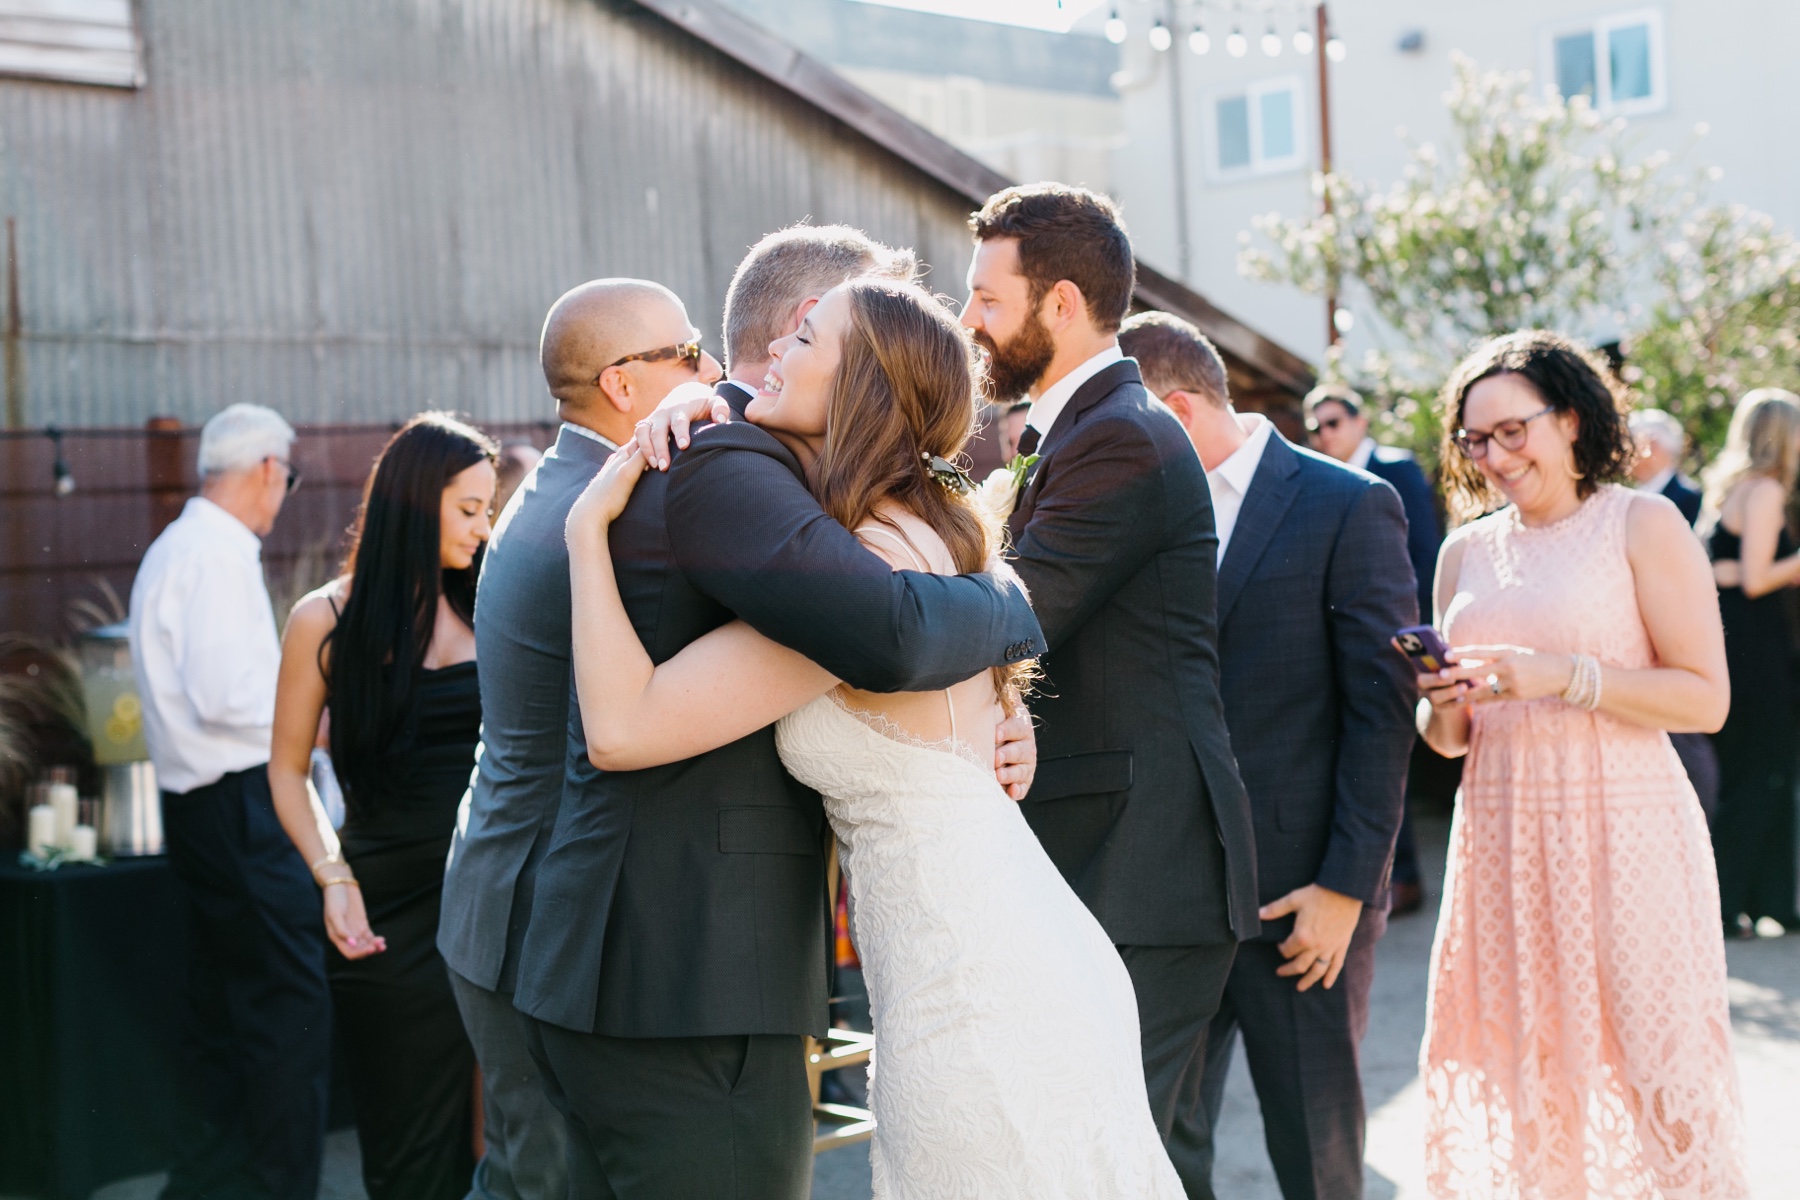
(1242, 132)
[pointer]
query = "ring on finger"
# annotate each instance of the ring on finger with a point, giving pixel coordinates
(1493, 682)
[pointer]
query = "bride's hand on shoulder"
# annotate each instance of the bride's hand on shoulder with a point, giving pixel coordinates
(687, 403)
(606, 495)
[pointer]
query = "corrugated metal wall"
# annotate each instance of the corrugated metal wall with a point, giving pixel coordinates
(354, 209)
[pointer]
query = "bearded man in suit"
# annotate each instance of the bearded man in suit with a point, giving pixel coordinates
(1313, 582)
(1137, 798)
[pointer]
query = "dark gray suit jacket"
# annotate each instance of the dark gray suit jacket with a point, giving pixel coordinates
(522, 630)
(1315, 582)
(688, 900)
(1137, 799)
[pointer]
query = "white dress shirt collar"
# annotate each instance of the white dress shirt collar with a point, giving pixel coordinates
(1657, 482)
(1230, 480)
(238, 537)
(1047, 407)
(1365, 450)
(584, 431)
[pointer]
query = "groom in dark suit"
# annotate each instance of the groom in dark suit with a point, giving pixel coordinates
(677, 947)
(1313, 582)
(1137, 798)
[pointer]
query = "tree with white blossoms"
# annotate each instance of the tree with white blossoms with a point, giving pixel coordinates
(1543, 217)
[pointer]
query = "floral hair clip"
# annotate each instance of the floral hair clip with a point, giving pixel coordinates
(948, 473)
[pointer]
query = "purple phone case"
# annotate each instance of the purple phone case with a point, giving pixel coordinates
(1424, 646)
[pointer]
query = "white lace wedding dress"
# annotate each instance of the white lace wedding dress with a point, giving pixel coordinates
(1006, 1033)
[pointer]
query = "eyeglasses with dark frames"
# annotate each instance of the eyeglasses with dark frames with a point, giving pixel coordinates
(689, 351)
(1510, 434)
(1325, 426)
(293, 476)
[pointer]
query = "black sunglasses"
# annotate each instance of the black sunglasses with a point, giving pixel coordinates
(293, 476)
(1327, 425)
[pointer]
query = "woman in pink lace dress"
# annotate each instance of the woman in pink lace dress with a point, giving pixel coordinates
(1577, 1041)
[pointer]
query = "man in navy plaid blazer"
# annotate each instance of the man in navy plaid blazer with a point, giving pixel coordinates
(1314, 579)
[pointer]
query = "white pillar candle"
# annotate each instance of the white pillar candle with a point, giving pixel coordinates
(64, 801)
(40, 832)
(84, 841)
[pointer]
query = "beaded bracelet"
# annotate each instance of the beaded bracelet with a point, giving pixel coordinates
(1583, 691)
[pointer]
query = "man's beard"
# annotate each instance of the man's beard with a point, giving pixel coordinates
(1014, 368)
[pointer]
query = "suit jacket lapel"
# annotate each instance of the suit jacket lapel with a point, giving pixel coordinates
(1272, 492)
(1096, 389)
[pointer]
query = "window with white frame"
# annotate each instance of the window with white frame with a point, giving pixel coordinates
(1616, 60)
(71, 41)
(1256, 128)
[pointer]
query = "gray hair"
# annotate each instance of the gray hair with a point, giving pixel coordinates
(789, 267)
(242, 436)
(1659, 427)
(1175, 357)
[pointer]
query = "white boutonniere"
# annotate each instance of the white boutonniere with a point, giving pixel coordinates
(999, 492)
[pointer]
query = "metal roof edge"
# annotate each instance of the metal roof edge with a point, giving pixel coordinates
(746, 42)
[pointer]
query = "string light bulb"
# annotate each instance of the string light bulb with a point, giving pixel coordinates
(1303, 42)
(1271, 43)
(1334, 49)
(59, 469)
(1199, 41)
(1236, 44)
(1115, 29)
(1160, 37)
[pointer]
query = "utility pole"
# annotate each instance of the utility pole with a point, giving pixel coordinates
(1324, 38)
(1184, 247)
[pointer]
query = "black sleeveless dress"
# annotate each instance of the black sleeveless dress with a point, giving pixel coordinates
(411, 1067)
(1753, 834)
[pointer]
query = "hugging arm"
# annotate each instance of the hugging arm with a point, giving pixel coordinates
(636, 714)
(747, 532)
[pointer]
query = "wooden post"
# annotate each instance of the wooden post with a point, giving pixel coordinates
(165, 472)
(15, 330)
(1324, 36)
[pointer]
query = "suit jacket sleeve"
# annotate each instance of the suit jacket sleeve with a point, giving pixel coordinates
(1097, 521)
(1422, 534)
(745, 530)
(1370, 594)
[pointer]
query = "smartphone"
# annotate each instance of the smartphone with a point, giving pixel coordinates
(1422, 644)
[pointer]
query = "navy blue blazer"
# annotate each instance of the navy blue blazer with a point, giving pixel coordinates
(1314, 583)
(1686, 495)
(1423, 536)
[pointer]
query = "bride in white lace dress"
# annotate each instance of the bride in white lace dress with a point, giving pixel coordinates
(1007, 1054)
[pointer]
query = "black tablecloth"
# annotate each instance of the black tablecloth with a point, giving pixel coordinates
(92, 961)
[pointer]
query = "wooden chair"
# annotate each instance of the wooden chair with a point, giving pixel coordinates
(837, 1124)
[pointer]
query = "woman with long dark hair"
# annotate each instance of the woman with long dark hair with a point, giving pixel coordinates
(1576, 1034)
(388, 649)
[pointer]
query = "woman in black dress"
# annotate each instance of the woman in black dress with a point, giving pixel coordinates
(1746, 502)
(389, 649)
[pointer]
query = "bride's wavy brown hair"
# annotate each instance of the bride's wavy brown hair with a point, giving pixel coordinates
(906, 390)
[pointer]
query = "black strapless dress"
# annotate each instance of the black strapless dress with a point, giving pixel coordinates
(1753, 834)
(412, 1070)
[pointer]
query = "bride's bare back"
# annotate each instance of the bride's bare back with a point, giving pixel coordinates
(966, 712)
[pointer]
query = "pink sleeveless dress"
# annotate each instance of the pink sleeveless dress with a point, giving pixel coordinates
(1577, 1032)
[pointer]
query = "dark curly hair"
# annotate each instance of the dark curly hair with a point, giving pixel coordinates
(1571, 378)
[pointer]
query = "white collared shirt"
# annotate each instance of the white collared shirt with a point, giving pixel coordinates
(1046, 408)
(1230, 480)
(1657, 482)
(204, 648)
(590, 435)
(1365, 450)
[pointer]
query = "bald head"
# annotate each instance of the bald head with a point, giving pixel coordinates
(601, 321)
(591, 327)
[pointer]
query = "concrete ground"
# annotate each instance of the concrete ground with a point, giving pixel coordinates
(1765, 1019)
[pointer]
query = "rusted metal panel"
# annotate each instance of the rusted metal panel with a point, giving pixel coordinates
(354, 209)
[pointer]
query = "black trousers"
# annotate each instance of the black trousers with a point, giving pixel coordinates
(725, 1118)
(1303, 1049)
(257, 1042)
(1179, 989)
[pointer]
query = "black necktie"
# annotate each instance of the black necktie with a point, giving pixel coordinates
(1028, 441)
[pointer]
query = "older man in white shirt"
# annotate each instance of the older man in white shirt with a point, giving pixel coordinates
(206, 656)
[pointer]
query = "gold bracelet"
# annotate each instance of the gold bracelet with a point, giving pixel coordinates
(346, 880)
(328, 860)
